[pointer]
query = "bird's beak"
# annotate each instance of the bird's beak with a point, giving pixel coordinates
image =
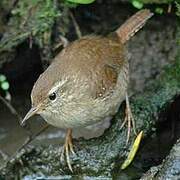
(30, 113)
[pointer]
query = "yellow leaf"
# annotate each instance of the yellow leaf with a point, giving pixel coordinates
(133, 151)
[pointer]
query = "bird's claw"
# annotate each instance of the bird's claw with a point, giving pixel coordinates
(68, 146)
(129, 119)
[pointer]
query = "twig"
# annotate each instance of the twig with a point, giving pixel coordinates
(77, 28)
(64, 42)
(169, 8)
(11, 108)
(15, 2)
(3, 154)
(27, 141)
(14, 112)
(31, 138)
(30, 11)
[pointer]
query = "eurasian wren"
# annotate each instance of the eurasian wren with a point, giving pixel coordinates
(87, 81)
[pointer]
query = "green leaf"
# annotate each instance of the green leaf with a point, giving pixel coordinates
(81, 1)
(5, 85)
(159, 10)
(137, 4)
(2, 78)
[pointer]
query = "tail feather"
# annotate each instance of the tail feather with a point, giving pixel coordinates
(133, 25)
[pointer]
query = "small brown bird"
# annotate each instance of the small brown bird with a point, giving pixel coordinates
(87, 81)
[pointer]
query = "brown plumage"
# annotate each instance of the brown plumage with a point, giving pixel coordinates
(97, 59)
(87, 81)
(133, 24)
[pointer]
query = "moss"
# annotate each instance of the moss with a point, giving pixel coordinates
(29, 18)
(32, 20)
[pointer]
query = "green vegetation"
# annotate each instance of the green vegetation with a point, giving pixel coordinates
(4, 84)
(137, 4)
(159, 10)
(81, 1)
(30, 18)
(156, 1)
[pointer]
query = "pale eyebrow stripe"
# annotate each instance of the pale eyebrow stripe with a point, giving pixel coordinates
(57, 85)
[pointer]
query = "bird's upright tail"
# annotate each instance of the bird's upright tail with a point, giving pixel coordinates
(133, 24)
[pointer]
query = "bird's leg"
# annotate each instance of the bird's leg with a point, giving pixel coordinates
(128, 119)
(68, 146)
(69, 141)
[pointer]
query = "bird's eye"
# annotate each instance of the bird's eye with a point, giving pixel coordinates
(52, 96)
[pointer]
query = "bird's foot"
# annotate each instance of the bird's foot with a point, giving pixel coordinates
(68, 146)
(129, 119)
